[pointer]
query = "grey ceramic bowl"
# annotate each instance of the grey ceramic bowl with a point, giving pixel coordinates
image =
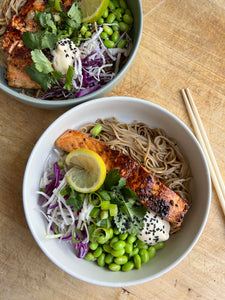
(136, 8)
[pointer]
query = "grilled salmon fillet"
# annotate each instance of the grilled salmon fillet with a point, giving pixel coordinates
(152, 193)
(19, 56)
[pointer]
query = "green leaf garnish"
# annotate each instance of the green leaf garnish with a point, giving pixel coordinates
(42, 64)
(69, 76)
(44, 80)
(75, 199)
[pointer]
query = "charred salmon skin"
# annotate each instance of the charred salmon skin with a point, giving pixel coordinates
(152, 193)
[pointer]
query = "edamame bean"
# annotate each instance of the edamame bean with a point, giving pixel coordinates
(118, 245)
(151, 252)
(109, 44)
(124, 26)
(93, 246)
(107, 248)
(109, 258)
(105, 14)
(137, 261)
(123, 4)
(128, 12)
(144, 256)
(115, 27)
(89, 256)
(128, 19)
(128, 266)
(114, 267)
(128, 248)
(116, 231)
(87, 34)
(141, 245)
(101, 260)
(131, 239)
(111, 17)
(114, 240)
(117, 253)
(123, 236)
(103, 35)
(100, 21)
(116, 3)
(121, 10)
(159, 245)
(111, 5)
(119, 15)
(122, 43)
(121, 260)
(134, 252)
(97, 252)
(108, 29)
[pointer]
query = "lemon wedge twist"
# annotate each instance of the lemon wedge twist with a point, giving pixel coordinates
(93, 10)
(87, 170)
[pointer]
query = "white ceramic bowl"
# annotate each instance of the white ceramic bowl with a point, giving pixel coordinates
(177, 247)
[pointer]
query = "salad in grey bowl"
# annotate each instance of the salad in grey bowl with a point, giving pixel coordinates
(57, 56)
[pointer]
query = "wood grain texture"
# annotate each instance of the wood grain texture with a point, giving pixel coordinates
(183, 45)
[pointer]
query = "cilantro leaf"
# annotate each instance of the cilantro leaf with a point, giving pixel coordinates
(44, 80)
(75, 13)
(45, 20)
(31, 39)
(114, 180)
(42, 64)
(48, 41)
(75, 199)
(69, 76)
(39, 40)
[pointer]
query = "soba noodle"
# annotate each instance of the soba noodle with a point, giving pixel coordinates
(149, 147)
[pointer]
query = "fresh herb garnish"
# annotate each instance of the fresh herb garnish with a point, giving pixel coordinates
(54, 27)
(68, 81)
(75, 199)
(130, 216)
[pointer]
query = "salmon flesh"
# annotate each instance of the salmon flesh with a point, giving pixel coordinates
(152, 193)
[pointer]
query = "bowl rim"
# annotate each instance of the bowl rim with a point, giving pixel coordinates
(57, 104)
(207, 208)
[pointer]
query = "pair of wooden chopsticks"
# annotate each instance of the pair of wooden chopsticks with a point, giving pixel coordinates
(204, 142)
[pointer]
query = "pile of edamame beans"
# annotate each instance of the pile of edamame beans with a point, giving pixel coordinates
(122, 251)
(116, 20)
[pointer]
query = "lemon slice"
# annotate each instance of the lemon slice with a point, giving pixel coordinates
(93, 10)
(87, 171)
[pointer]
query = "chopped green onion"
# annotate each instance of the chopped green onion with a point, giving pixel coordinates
(104, 214)
(113, 210)
(101, 235)
(95, 199)
(105, 205)
(94, 213)
(96, 130)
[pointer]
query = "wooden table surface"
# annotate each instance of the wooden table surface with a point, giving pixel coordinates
(183, 45)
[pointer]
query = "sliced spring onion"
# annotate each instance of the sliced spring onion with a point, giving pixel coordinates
(95, 199)
(96, 130)
(113, 210)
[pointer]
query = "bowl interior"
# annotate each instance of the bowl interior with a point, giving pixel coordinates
(136, 8)
(126, 110)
